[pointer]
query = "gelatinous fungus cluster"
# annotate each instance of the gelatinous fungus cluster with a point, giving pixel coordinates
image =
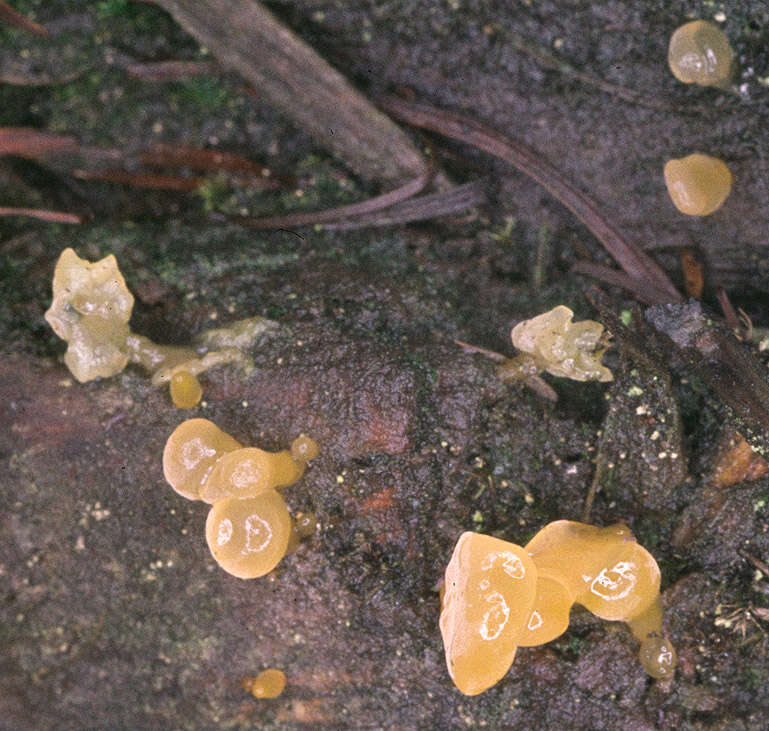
(499, 596)
(552, 342)
(248, 529)
(90, 310)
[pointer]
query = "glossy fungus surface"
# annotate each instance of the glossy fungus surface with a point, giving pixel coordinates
(549, 617)
(190, 454)
(249, 537)
(698, 184)
(250, 471)
(185, 390)
(90, 310)
(304, 449)
(490, 586)
(699, 53)
(576, 551)
(625, 584)
(562, 347)
(269, 683)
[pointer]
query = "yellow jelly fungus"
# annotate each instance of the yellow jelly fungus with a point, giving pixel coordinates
(90, 310)
(248, 538)
(250, 471)
(626, 584)
(191, 453)
(698, 184)
(549, 617)
(185, 390)
(552, 342)
(305, 524)
(490, 586)
(699, 53)
(268, 684)
(576, 551)
(604, 569)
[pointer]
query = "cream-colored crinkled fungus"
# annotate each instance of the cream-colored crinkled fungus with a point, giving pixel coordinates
(90, 310)
(552, 342)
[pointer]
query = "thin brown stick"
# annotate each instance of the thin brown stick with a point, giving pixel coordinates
(170, 70)
(632, 259)
(310, 218)
(756, 562)
(42, 215)
(15, 18)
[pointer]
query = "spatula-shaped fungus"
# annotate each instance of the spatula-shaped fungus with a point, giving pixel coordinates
(489, 606)
(249, 537)
(490, 586)
(550, 616)
(699, 53)
(698, 184)
(190, 454)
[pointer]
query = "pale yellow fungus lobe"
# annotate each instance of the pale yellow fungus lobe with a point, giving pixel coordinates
(190, 454)
(604, 569)
(185, 390)
(490, 586)
(698, 184)
(90, 310)
(269, 683)
(552, 342)
(700, 53)
(248, 538)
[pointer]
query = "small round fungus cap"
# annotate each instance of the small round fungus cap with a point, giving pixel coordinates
(698, 184)
(699, 53)
(249, 537)
(191, 453)
(304, 449)
(658, 657)
(250, 471)
(490, 586)
(185, 390)
(625, 585)
(269, 683)
(550, 616)
(576, 551)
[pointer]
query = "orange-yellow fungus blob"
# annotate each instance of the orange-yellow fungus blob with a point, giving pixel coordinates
(488, 608)
(250, 471)
(490, 590)
(699, 53)
(191, 453)
(657, 654)
(698, 184)
(268, 684)
(185, 390)
(576, 551)
(658, 657)
(626, 583)
(304, 449)
(249, 537)
(549, 617)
